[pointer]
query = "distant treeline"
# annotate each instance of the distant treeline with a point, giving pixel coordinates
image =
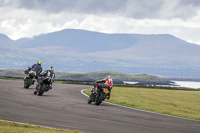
(118, 78)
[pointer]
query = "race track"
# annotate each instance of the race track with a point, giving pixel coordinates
(65, 107)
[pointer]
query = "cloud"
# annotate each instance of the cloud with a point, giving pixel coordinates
(22, 18)
(136, 9)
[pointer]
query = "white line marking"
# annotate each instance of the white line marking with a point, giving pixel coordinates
(82, 91)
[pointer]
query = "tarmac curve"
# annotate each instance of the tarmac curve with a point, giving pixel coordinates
(65, 107)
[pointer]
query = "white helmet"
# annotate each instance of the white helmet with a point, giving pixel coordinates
(51, 68)
(108, 77)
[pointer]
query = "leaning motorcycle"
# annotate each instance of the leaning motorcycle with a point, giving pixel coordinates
(44, 85)
(29, 78)
(99, 95)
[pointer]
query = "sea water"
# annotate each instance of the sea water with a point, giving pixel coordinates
(188, 84)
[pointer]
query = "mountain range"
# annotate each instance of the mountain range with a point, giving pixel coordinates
(74, 50)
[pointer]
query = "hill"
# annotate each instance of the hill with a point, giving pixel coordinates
(82, 51)
(93, 76)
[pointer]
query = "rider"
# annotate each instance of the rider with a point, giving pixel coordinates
(49, 73)
(107, 82)
(37, 68)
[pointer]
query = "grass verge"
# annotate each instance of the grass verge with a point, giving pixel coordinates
(10, 78)
(181, 103)
(9, 127)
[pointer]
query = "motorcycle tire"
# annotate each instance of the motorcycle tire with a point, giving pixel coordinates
(90, 99)
(27, 83)
(42, 89)
(100, 99)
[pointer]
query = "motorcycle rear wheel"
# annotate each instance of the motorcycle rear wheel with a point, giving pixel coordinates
(42, 89)
(100, 99)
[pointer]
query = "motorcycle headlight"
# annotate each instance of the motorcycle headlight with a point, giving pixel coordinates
(33, 73)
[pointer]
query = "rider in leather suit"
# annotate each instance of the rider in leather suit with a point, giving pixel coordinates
(106, 82)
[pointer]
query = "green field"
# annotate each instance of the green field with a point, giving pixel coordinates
(9, 127)
(181, 103)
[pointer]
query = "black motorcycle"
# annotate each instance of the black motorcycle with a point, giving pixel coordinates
(29, 78)
(44, 85)
(99, 94)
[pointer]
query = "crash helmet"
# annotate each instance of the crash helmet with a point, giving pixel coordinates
(51, 68)
(108, 77)
(39, 62)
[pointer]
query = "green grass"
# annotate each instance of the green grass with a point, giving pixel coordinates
(9, 127)
(181, 103)
(20, 79)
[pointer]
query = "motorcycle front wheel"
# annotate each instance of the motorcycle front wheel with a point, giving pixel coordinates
(90, 98)
(27, 83)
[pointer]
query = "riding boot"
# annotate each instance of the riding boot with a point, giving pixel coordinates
(108, 96)
(33, 82)
(50, 86)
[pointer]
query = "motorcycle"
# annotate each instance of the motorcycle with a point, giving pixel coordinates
(29, 78)
(44, 85)
(99, 95)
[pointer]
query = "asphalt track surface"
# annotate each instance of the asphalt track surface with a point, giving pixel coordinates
(65, 107)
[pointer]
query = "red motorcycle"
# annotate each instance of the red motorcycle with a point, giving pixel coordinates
(99, 95)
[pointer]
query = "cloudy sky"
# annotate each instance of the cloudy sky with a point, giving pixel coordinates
(26, 18)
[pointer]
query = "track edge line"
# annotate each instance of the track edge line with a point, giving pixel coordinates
(82, 91)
